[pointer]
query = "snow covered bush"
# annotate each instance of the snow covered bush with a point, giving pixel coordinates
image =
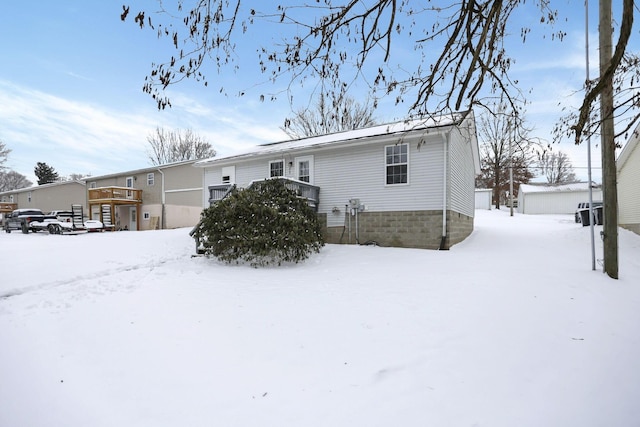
(264, 224)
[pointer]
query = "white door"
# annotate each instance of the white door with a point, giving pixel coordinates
(304, 169)
(129, 184)
(133, 223)
(229, 175)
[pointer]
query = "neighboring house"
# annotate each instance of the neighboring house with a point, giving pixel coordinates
(628, 165)
(555, 199)
(157, 197)
(48, 197)
(405, 184)
(483, 198)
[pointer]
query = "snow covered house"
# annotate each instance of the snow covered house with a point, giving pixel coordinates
(555, 199)
(404, 184)
(628, 165)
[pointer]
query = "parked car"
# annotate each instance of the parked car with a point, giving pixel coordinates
(584, 205)
(20, 219)
(62, 216)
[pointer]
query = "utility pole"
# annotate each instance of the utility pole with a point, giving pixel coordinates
(607, 142)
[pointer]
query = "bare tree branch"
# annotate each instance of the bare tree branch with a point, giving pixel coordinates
(177, 145)
(593, 91)
(342, 113)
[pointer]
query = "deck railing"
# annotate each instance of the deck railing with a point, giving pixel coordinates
(115, 193)
(7, 207)
(301, 188)
(219, 192)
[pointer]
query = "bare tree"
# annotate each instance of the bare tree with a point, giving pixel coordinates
(341, 113)
(73, 177)
(4, 154)
(78, 176)
(13, 180)
(505, 144)
(556, 167)
(168, 146)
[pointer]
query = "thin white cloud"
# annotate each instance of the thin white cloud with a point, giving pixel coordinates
(79, 137)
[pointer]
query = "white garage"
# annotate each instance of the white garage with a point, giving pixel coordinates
(555, 199)
(483, 198)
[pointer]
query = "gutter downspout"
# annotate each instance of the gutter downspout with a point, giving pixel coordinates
(163, 221)
(445, 159)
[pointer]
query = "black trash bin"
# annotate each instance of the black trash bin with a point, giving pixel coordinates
(584, 217)
(597, 216)
(598, 213)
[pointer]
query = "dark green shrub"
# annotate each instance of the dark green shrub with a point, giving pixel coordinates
(266, 223)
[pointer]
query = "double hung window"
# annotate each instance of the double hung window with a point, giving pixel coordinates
(276, 168)
(397, 163)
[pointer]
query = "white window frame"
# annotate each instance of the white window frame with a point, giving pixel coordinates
(151, 179)
(228, 175)
(301, 159)
(146, 216)
(93, 184)
(129, 184)
(29, 196)
(387, 165)
(271, 162)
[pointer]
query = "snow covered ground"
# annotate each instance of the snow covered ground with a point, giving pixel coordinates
(509, 328)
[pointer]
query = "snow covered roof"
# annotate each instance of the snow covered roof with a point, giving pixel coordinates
(142, 170)
(346, 137)
(546, 188)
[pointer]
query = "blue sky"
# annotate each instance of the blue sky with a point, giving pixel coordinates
(72, 74)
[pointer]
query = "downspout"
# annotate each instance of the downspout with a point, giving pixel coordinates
(163, 221)
(445, 150)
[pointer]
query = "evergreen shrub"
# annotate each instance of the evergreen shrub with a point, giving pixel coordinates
(264, 224)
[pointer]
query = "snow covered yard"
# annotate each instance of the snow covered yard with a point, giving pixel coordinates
(509, 328)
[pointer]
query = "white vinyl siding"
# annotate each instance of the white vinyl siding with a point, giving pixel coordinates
(350, 172)
(461, 183)
(359, 173)
(628, 188)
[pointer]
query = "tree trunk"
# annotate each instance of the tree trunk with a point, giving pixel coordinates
(608, 146)
(497, 185)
